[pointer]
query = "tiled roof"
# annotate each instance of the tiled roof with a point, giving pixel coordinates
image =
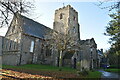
(34, 28)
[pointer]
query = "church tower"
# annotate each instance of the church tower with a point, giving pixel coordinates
(66, 21)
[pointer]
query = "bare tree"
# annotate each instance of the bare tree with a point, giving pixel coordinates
(62, 43)
(9, 8)
(114, 4)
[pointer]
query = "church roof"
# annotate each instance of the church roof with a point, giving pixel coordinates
(88, 42)
(33, 28)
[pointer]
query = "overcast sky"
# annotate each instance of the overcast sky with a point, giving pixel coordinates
(91, 18)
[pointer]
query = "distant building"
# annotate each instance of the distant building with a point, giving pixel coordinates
(100, 56)
(103, 59)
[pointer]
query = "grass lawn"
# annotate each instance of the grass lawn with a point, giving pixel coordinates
(39, 67)
(114, 66)
(52, 71)
(113, 70)
(94, 74)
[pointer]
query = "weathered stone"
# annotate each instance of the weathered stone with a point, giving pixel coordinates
(26, 42)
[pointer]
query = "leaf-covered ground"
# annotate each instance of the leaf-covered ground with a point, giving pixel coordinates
(20, 75)
(44, 72)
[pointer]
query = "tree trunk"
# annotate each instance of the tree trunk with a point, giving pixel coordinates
(60, 60)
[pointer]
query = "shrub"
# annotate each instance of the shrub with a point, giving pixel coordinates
(60, 69)
(114, 66)
(84, 72)
(78, 73)
(78, 65)
(93, 70)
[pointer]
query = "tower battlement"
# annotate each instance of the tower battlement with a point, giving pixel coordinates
(66, 7)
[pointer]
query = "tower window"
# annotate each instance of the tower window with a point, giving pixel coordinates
(61, 16)
(74, 30)
(74, 18)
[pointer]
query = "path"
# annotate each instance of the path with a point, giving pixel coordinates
(109, 74)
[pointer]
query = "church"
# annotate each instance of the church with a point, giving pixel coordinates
(26, 42)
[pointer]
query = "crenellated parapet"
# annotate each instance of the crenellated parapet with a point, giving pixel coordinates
(66, 7)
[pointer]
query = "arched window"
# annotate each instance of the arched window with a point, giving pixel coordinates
(48, 51)
(32, 46)
(61, 16)
(74, 18)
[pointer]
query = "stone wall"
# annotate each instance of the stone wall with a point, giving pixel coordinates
(39, 54)
(15, 53)
(12, 45)
(1, 43)
(89, 55)
(66, 21)
(11, 59)
(85, 56)
(1, 46)
(11, 52)
(61, 23)
(30, 48)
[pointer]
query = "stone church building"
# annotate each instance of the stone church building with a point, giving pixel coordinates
(25, 42)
